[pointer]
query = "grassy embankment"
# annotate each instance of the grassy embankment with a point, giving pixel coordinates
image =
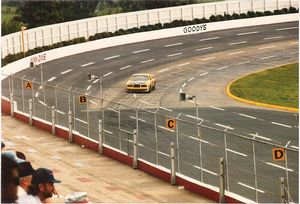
(276, 86)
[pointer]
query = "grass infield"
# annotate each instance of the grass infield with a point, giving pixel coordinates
(276, 86)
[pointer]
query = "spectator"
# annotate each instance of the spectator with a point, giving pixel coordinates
(9, 179)
(25, 172)
(42, 186)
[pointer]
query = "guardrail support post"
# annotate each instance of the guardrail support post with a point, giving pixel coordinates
(12, 105)
(173, 168)
(70, 127)
(222, 181)
(30, 111)
(134, 165)
(100, 148)
(53, 119)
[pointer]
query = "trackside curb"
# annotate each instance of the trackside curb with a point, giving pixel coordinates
(255, 102)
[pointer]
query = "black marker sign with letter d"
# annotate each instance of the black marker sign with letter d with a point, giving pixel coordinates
(278, 154)
(171, 124)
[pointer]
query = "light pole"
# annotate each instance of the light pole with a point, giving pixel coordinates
(22, 37)
(184, 97)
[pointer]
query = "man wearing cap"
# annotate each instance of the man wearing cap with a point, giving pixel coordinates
(25, 173)
(42, 186)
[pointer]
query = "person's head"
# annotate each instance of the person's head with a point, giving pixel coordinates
(42, 183)
(9, 179)
(25, 172)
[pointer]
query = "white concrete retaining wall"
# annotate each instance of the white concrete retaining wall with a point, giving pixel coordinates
(141, 37)
(48, 35)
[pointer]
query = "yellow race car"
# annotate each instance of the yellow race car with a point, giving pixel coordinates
(141, 82)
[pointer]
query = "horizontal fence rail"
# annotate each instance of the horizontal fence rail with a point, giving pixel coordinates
(48, 35)
(191, 149)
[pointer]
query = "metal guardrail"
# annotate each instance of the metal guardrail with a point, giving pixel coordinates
(141, 133)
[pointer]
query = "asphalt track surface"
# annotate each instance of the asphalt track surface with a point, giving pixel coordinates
(199, 64)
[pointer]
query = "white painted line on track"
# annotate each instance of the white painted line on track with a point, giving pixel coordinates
(250, 187)
(137, 119)
(52, 78)
(281, 167)
(134, 95)
(183, 85)
(235, 53)
(40, 87)
(167, 109)
(109, 132)
(249, 33)
(41, 102)
(175, 44)
(180, 65)
(280, 124)
(175, 54)
(150, 60)
(111, 109)
(88, 87)
(109, 73)
(267, 47)
(207, 171)
(294, 147)
(139, 51)
(237, 43)
(203, 74)
(209, 58)
(203, 141)
(126, 67)
(296, 52)
(289, 28)
(222, 68)
(37, 94)
(67, 71)
(146, 103)
(190, 79)
(87, 64)
(194, 117)
(235, 152)
(165, 128)
(81, 120)
(217, 108)
(163, 70)
(224, 126)
(243, 63)
(163, 153)
(275, 37)
(205, 39)
(261, 137)
(94, 82)
(93, 102)
(204, 48)
(247, 116)
(268, 57)
(112, 57)
(60, 112)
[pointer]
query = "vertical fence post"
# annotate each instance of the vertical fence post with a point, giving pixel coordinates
(254, 168)
(286, 171)
(226, 158)
(134, 165)
(177, 143)
(100, 148)
(282, 191)
(173, 168)
(156, 139)
(33, 108)
(23, 100)
(278, 5)
(200, 149)
(88, 116)
(70, 127)
(222, 181)
(53, 119)
(265, 5)
(30, 111)
(56, 104)
(12, 105)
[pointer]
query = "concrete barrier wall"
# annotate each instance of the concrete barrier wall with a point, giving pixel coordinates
(141, 37)
(48, 35)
